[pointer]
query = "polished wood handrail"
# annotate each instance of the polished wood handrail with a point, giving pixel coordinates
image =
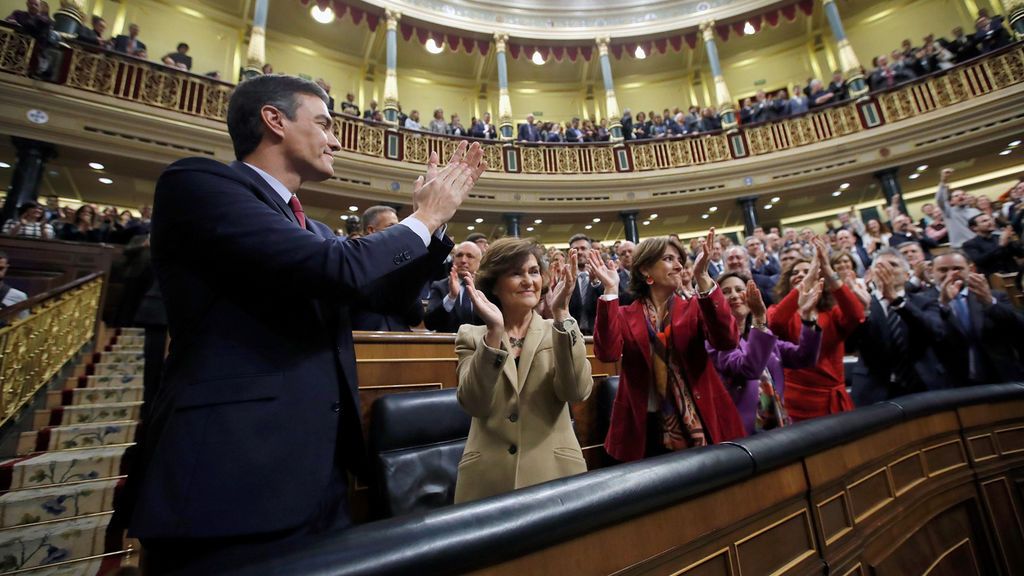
(11, 311)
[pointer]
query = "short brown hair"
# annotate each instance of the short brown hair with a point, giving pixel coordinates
(505, 255)
(647, 253)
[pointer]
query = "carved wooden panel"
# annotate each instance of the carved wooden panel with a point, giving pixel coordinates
(982, 447)
(869, 494)
(944, 457)
(907, 472)
(778, 547)
(835, 517)
(1005, 515)
(942, 546)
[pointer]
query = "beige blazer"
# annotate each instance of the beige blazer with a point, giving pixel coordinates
(521, 432)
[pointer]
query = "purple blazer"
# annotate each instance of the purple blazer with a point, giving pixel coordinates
(742, 366)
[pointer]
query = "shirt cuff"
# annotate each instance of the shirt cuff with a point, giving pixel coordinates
(448, 303)
(419, 228)
(607, 297)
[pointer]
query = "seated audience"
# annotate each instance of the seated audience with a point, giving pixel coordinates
(82, 228)
(448, 304)
(887, 76)
(480, 240)
(846, 241)
(747, 111)
(955, 210)
(895, 357)
(843, 264)
(838, 87)
(904, 230)
(670, 397)
(753, 371)
(437, 124)
(819, 95)
(976, 331)
(9, 296)
(521, 433)
(624, 253)
(131, 45)
(180, 57)
(820, 389)
(993, 253)
(799, 102)
(573, 132)
(554, 133)
(658, 129)
(29, 223)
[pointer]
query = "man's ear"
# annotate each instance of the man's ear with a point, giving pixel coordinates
(273, 119)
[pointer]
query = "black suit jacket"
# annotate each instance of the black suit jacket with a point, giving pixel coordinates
(440, 320)
(258, 401)
(121, 44)
(529, 133)
(583, 307)
(871, 377)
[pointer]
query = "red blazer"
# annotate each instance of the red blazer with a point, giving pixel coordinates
(621, 332)
(820, 389)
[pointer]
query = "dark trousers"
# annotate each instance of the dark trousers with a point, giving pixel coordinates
(200, 556)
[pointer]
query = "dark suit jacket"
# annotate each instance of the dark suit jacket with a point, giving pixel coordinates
(440, 320)
(995, 330)
(583, 307)
(529, 133)
(122, 41)
(258, 402)
(871, 377)
(989, 257)
(477, 131)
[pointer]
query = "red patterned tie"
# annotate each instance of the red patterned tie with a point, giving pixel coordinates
(296, 207)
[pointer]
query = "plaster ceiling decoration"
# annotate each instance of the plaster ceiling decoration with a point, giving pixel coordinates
(573, 19)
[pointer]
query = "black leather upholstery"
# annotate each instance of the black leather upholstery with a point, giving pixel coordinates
(606, 391)
(925, 403)
(417, 439)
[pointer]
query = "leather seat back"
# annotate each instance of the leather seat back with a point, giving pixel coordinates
(416, 442)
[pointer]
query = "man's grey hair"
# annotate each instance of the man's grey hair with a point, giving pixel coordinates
(372, 215)
(894, 253)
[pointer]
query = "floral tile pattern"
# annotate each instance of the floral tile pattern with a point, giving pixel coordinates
(20, 507)
(89, 413)
(111, 380)
(91, 435)
(32, 546)
(121, 357)
(107, 369)
(61, 467)
(84, 396)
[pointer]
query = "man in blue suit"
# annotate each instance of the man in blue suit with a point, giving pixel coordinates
(257, 423)
(528, 131)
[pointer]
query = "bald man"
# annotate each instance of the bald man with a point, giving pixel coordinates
(449, 305)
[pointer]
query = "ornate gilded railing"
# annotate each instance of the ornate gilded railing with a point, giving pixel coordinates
(34, 348)
(153, 84)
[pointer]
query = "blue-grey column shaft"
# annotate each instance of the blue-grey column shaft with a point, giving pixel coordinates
(848, 61)
(504, 100)
(256, 54)
(726, 109)
(391, 57)
(611, 103)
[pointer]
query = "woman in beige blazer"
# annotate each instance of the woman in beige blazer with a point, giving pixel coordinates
(517, 375)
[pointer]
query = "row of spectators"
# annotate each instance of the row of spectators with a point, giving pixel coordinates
(84, 224)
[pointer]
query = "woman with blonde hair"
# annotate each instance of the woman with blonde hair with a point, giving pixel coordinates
(670, 396)
(518, 373)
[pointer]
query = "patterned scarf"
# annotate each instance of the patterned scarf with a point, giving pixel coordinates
(680, 422)
(770, 412)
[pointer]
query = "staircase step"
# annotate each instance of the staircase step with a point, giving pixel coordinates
(34, 505)
(115, 369)
(135, 348)
(98, 566)
(87, 413)
(86, 396)
(118, 357)
(77, 436)
(61, 467)
(129, 340)
(105, 381)
(42, 544)
(131, 331)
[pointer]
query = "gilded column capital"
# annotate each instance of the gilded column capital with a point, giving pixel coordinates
(500, 41)
(707, 30)
(602, 45)
(391, 17)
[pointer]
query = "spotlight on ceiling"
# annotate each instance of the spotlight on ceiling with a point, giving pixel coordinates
(837, 193)
(325, 16)
(768, 206)
(433, 47)
(353, 208)
(470, 227)
(915, 176)
(4, 165)
(479, 220)
(1005, 152)
(705, 216)
(647, 222)
(537, 58)
(922, 167)
(652, 217)
(844, 185)
(529, 228)
(596, 220)
(775, 199)
(748, 29)
(588, 226)
(1013, 144)
(639, 53)
(96, 166)
(344, 216)
(713, 209)
(106, 181)
(538, 221)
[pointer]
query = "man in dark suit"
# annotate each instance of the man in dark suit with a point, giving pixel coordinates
(848, 241)
(483, 128)
(962, 46)
(130, 44)
(529, 131)
(895, 355)
(377, 309)
(573, 132)
(992, 253)
(583, 302)
(448, 305)
(977, 338)
(990, 35)
(737, 259)
(257, 421)
(625, 263)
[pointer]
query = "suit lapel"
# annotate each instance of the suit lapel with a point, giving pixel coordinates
(534, 335)
(977, 317)
(638, 328)
(509, 368)
(269, 195)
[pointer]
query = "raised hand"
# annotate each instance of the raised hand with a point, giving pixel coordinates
(563, 281)
(609, 278)
(950, 288)
(885, 281)
(944, 175)
(756, 303)
(813, 273)
(978, 286)
(807, 299)
(484, 308)
(825, 271)
(700, 265)
(453, 283)
(439, 194)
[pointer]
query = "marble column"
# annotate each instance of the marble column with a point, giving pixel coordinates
(630, 229)
(28, 173)
(256, 55)
(512, 222)
(726, 109)
(391, 79)
(505, 128)
(748, 205)
(611, 104)
(1015, 16)
(848, 62)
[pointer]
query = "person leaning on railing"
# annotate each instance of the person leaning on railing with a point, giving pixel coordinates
(517, 375)
(670, 397)
(29, 223)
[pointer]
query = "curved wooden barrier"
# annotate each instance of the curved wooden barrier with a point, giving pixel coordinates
(929, 484)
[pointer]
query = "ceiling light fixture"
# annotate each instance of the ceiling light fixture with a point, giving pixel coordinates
(537, 58)
(344, 216)
(837, 193)
(713, 209)
(639, 53)
(652, 216)
(748, 29)
(106, 181)
(596, 220)
(1013, 144)
(844, 185)
(922, 167)
(588, 226)
(4, 165)
(96, 166)
(433, 47)
(353, 208)
(479, 220)
(768, 206)
(647, 222)
(470, 227)
(538, 221)
(915, 176)
(704, 216)
(325, 16)
(776, 199)
(529, 228)
(1005, 152)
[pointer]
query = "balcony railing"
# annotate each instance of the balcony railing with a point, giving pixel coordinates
(124, 77)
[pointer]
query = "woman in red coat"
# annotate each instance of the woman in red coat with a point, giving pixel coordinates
(670, 396)
(820, 389)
